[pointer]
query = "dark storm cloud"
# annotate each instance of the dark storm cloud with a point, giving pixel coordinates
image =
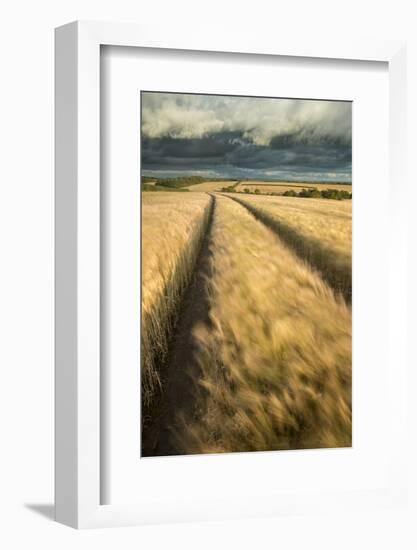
(245, 137)
(216, 145)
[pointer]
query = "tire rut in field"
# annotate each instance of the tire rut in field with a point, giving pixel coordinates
(297, 244)
(178, 399)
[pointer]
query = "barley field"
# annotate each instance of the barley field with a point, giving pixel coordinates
(320, 232)
(276, 359)
(246, 323)
(282, 186)
(173, 226)
(209, 186)
(247, 283)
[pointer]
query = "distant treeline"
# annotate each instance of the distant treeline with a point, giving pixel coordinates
(307, 183)
(335, 194)
(310, 193)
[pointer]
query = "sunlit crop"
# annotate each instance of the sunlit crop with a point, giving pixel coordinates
(319, 231)
(173, 225)
(276, 358)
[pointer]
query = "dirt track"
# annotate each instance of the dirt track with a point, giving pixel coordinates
(306, 250)
(177, 405)
(178, 400)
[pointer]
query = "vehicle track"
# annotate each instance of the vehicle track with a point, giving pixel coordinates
(178, 404)
(336, 278)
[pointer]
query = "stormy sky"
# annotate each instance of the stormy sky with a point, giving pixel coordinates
(245, 137)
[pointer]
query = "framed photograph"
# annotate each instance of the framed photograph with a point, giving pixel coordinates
(230, 275)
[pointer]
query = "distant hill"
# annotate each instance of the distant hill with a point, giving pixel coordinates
(181, 181)
(153, 187)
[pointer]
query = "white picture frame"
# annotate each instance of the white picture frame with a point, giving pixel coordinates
(77, 238)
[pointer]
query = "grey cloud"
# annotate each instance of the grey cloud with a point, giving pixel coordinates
(245, 137)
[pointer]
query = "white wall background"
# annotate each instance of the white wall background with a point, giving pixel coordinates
(26, 272)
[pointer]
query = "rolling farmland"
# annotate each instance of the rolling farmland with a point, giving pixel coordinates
(282, 186)
(209, 186)
(246, 322)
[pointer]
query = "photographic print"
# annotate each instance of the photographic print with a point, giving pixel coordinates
(246, 274)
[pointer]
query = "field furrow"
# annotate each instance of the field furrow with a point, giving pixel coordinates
(275, 359)
(179, 406)
(324, 241)
(175, 228)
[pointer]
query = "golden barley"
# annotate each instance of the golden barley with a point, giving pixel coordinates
(320, 231)
(276, 359)
(173, 226)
